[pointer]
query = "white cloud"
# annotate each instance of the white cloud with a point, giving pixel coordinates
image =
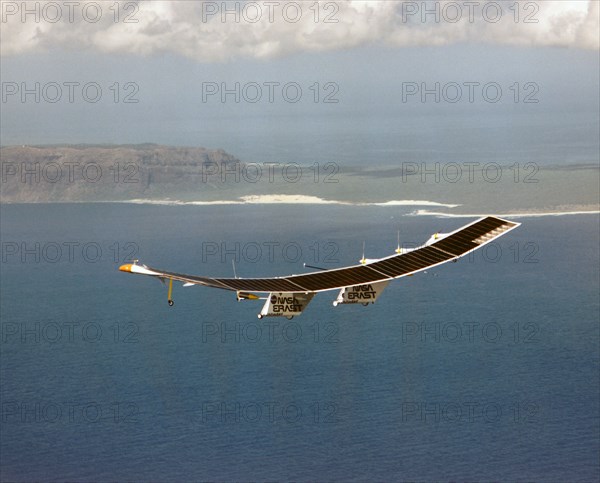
(264, 29)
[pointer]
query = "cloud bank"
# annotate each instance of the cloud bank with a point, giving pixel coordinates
(217, 31)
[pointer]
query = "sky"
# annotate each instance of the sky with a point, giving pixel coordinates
(304, 81)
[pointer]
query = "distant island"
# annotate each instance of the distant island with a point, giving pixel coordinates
(172, 175)
(59, 173)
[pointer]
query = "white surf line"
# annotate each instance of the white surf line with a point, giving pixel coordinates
(290, 199)
(507, 215)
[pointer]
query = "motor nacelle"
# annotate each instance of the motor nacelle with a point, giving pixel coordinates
(360, 294)
(285, 304)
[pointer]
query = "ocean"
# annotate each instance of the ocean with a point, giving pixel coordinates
(487, 369)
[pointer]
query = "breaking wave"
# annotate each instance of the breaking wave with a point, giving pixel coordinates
(293, 199)
(501, 215)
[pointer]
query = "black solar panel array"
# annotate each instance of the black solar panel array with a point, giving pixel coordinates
(412, 261)
(273, 284)
(264, 284)
(463, 241)
(344, 277)
(441, 251)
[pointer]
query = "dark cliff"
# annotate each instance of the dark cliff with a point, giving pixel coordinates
(110, 173)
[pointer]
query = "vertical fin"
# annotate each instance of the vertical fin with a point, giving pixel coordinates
(398, 249)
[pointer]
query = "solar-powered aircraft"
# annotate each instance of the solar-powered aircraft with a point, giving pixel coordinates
(288, 296)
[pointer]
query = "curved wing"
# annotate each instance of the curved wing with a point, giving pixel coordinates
(451, 247)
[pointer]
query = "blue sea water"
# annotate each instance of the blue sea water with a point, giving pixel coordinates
(487, 369)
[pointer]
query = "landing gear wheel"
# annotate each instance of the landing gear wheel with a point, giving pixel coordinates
(171, 303)
(365, 304)
(289, 317)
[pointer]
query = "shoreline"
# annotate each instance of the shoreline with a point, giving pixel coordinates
(303, 200)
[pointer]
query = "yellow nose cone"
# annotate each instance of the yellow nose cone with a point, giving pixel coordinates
(125, 268)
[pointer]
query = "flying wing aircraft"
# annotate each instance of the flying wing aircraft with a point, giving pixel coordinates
(288, 296)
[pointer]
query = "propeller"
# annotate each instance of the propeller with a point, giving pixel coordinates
(313, 266)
